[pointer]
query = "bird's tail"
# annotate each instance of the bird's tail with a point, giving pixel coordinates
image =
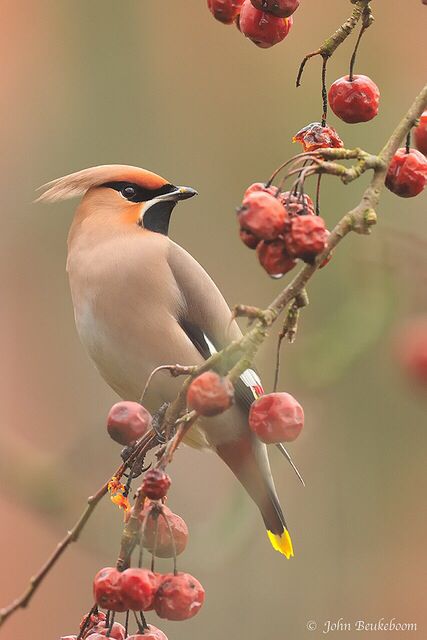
(248, 460)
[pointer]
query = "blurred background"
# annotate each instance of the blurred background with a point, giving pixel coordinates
(166, 87)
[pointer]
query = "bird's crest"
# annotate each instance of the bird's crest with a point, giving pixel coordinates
(76, 184)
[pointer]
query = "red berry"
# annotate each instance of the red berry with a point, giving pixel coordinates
(106, 589)
(156, 484)
(314, 136)
(354, 100)
(138, 587)
(210, 394)
(179, 597)
(407, 173)
(157, 533)
(248, 238)
(411, 348)
(100, 632)
(152, 633)
(225, 10)
(276, 417)
(298, 204)
(274, 258)
(280, 8)
(306, 237)
(259, 186)
(263, 215)
(420, 134)
(264, 29)
(127, 422)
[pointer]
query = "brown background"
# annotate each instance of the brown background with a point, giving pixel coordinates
(164, 86)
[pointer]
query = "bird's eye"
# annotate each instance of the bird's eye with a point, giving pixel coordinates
(129, 192)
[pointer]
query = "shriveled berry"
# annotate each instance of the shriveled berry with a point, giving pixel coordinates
(152, 633)
(138, 587)
(420, 134)
(315, 136)
(209, 394)
(118, 632)
(280, 8)
(276, 417)
(306, 237)
(127, 422)
(94, 620)
(407, 173)
(274, 258)
(106, 589)
(160, 535)
(297, 204)
(411, 348)
(263, 29)
(263, 215)
(156, 484)
(225, 10)
(179, 597)
(355, 100)
(248, 238)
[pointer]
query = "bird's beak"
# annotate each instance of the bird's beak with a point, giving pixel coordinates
(183, 193)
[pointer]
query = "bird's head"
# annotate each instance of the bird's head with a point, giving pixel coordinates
(127, 194)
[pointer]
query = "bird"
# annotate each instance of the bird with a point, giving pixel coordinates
(141, 301)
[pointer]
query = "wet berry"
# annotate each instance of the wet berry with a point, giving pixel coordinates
(209, 394)
(276, 417)
(156, 484)
(138, 587)
(407, 173)
(127, 422)
(161, 537)
(106, 589)
(315, 136)
(263, 215)
(354, 100)
(280, 8)
(225, 10)
(420, 134)
(306, 237)
(248, 238)
(263, 29)
(179, 597)
(274, 258)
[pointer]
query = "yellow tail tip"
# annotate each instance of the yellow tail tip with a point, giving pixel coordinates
(282, 543)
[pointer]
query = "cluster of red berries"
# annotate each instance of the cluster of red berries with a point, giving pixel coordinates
(95, 626)
(274, 417)
(282, 227)
(264, 22)
(174, 596)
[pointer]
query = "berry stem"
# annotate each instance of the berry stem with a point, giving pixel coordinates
(408, 142)
(324, 91)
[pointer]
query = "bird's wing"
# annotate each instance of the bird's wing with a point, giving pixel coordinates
(206, 318)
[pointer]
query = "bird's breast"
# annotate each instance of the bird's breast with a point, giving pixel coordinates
(126, 302)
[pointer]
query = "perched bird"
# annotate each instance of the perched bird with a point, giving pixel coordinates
(141, 301)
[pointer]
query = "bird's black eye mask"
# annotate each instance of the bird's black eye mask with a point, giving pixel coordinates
(135, 193)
